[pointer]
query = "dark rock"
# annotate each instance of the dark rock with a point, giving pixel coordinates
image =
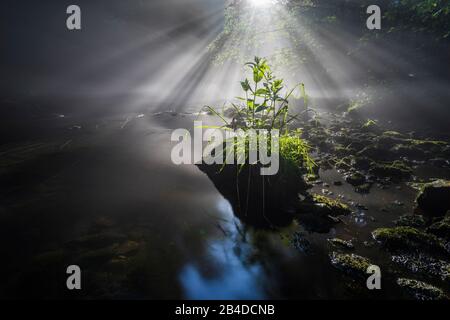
(415, 221)
(441, 228)
(396, 169)
(356, 179)
(434, 198)
(364, 188)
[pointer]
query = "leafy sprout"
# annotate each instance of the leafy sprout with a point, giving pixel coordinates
(264, 105)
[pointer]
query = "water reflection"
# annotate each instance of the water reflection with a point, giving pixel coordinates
(237, 278)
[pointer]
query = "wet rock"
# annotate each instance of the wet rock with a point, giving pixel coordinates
(96, 241)
(337, 183)
(421, 290)
(356, 179)
(376, 152)
(408, 239)
(441, 228)
(329, 206)
(342, 244)
(439, 162)
(424, 264)
(415, 221)
(396, 170)
(350, 264)
(434, 198)
(398, 203)
(128, 248)
(260, 201)
(410, 151)
(98, 256)
(300, 242)
(364, 188)
(361, 163)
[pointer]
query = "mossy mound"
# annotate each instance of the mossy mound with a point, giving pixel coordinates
(396, 169)
(421, 290)
(407, 239)
(356, 179)
(342, 244)
(434, 198)
(334, 206)
(441, 228)
(424, 265)
(415, 221)
(350, 264)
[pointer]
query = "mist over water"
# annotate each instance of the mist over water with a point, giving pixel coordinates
(85, 125)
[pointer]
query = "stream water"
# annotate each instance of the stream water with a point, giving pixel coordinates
(109, 177)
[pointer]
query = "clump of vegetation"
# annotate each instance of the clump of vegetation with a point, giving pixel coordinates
(431, 15)
(265, 106)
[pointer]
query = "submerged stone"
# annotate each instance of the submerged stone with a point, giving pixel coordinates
(421, 290)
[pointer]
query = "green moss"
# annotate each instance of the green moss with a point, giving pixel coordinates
(295, 150)
(351, 264)
(337, 207)
(421, 290)
(396, 169)
(441, 228)
(394, 134)
(407, 238)
(339, 243)
(415, 221)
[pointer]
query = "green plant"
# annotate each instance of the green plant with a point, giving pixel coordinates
(265, 106)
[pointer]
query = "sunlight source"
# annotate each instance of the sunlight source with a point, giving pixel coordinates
(260, 3)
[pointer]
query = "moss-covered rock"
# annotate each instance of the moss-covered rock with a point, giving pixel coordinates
(424, 265)
(341, 244)
(414, 220)
(408, 239)
(434, 198)
(350, 264)
(421, 290)
(361, 163)
(407, 150)
(96, 241)
(356, 179)
(441, 228)
(333, 206)
(396, 169)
